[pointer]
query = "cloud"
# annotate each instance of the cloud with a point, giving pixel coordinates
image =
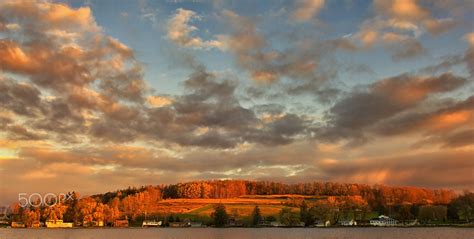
(450, 168)
(442, 122)
(355, 114)
(159, 101)
(306, 9)
(398, 25)
(210, 115)
(74, 105)
(307, 62)
(61, 51)
(179, 31)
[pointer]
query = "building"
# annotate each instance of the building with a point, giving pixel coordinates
(121, 223)
(18, 224)
(58, 224)
(347, 223)
(93, 224)
(383, 221)
(35, 224)
(322, 223)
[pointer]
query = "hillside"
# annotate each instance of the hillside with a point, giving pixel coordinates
(197, 201)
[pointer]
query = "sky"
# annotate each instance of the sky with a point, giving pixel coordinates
(97, 96)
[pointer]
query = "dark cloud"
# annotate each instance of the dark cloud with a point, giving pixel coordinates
(436, 169)
(441, 120)
(21, 98)
(459, 139)
(361, 110)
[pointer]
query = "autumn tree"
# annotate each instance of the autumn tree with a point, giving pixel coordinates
(112, 212)
(86, 207)
(72, 212)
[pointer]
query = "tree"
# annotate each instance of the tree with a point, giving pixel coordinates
(288, 218)
(171, 218)
(72, 212)
(256, 216)
(270, 219)
(462, 208)
(405, 213)
(305, 216)
(220, 215)
(323, 212)
(432, 213)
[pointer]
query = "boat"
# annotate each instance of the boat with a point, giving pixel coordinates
(58, 224)
(151, 223)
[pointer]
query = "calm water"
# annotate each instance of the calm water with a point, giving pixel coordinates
(245, 233)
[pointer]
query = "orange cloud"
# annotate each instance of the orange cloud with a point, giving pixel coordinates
(306, 9)
(179, 31)
(13, 58)
(159, 101)
(450, 119)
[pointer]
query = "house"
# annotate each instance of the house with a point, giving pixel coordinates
(383, 221)
(35, 224)
(4, 223)
(93, 223)
(18, 224)
(346, 223)
(234, 222)
(57, 224)
(121, 223)
(322, 223)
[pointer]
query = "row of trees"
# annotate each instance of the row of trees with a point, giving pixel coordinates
(377, 193)
(378, 196)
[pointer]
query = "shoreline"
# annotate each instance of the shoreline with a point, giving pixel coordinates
(289, 227)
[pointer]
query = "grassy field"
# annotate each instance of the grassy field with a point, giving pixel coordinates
(204, 206)
(201, 209)
(242, 207)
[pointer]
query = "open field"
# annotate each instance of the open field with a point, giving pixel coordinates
(204, 206)
(201, 209)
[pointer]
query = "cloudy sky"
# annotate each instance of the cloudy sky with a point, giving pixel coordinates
(102, 95)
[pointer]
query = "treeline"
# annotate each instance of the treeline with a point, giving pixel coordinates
(376, 195)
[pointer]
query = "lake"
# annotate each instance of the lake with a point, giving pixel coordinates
(246, 233)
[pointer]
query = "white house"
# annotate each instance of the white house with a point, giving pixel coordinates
(322, 223)
(383, 221)
(351, 222)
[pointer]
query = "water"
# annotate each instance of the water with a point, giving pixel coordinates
(238, 233)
